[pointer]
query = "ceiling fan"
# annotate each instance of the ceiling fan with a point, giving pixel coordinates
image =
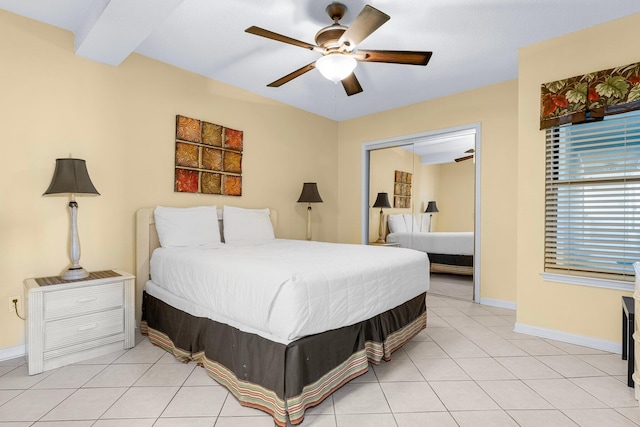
(338, 45)
(471, 153)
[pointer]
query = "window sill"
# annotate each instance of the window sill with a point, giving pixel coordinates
(617, 285)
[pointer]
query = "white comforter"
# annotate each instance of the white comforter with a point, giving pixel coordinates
(452, 243)
(286, 289)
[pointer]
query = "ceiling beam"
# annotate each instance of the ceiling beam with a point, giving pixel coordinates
(115, 28)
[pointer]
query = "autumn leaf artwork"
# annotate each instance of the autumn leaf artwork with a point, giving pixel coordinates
(208, 158)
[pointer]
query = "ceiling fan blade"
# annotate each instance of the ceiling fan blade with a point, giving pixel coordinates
(368, 20)
(470, 150)
(293, 75)
(394, 56)
(462, 159)
(351, 84)
(279, 37)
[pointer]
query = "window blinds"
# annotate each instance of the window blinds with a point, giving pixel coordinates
(592, 198)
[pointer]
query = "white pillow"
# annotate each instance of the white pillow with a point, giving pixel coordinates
(180, 227)
(402, 223)
(246, 225)
(411, 223)
(423, 222)
(397, 224)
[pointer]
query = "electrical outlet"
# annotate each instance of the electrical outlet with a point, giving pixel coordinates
(19, 304)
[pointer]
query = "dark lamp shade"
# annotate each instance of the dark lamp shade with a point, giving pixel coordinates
(382, 201)
(310, 193)
(71, 177)
(431, 207)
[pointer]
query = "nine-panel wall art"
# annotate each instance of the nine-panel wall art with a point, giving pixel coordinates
(208, 158)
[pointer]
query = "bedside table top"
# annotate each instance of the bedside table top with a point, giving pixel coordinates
(395, 245)
(57, 280)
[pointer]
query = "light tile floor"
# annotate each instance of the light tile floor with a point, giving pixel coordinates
(468, 368)
(452, 285)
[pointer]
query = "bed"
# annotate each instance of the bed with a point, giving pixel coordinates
(284, 334)
(449, 252)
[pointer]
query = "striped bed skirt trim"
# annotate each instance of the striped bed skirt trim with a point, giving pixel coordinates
(452, 269)
(374, 340)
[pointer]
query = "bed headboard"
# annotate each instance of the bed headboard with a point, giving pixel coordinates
(147, 240)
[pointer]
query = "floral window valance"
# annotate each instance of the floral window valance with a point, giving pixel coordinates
(594, 95)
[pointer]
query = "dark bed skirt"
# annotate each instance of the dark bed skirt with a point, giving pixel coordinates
(454, 264)
(282, 380)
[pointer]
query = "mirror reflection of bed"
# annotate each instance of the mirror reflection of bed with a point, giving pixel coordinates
(450, 241)
(450, 253)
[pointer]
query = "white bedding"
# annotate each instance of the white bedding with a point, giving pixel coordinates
(286, 289)
(451, 243)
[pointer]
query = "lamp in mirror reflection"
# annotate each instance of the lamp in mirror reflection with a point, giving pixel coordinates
(71, 178)
(309, 195)
(382, 201)
(431, 209)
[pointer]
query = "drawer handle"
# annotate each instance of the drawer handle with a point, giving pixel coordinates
(87, 327)
(87, 299)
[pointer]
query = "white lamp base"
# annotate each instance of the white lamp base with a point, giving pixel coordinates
(381, 229)
(309, 222)
(74, 273)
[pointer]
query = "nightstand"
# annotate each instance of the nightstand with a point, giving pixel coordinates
(71, 321)
(393, 245)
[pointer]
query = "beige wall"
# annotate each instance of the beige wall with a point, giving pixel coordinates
(382, 166)
(495, 108)
(427, 184)
(426, 187)
(451, 185)
(580, 310)
(456, 197)
(121, 120)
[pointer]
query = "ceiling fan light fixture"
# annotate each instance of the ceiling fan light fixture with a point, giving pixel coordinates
(336, 66)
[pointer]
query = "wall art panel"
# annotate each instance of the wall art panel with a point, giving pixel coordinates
(211, 183)
(187, 129)
(186, 181)
(208, 158)
(211, 134)
(402, 190)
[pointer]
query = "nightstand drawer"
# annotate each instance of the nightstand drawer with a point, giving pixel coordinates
(82, 300)
(66, 332)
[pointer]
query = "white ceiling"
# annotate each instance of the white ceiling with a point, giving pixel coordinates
(444, 148)
(474, 42)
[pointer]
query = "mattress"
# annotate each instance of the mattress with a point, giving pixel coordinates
(452, 243)
(282, 289)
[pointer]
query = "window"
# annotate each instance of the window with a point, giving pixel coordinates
(592, 201)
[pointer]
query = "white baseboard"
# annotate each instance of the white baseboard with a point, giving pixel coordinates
(599, 344)
(498, 303)
(12, 352)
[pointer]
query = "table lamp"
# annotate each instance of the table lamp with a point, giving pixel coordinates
(309, 195)
(431, 209)
(71, 178)
(382, 201)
